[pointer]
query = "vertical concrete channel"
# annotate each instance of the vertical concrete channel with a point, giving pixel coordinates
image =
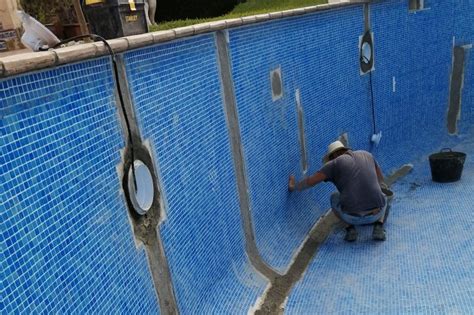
(301, 132)
(455, 91)
(230, 109)
(145, 226)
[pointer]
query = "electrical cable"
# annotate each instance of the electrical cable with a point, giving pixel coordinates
(374, 125)
(122, 103)
(372, 101)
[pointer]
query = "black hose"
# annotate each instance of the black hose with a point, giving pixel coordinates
(371, 97)
(122, 103)
(372, 101)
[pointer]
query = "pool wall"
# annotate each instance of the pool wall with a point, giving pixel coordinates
(67, 244)
(66, 239)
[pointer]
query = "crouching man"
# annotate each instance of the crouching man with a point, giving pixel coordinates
(359, 181)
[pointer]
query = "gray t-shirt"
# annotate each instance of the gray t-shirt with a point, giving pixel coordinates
(355, 177)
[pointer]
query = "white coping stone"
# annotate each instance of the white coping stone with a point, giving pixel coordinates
(287, 13)
(276, 15)
(37, 60)
(73, 53)
(100, 49)
(233, 22)
(299, 11)
(262, 17)
(118, 44)
(27, 62)
(249, 19)
(163, 36)
(141, 40)
(325, 6)
(217, 25)
(201, 28)
(184, 31)
(116, 47)
(311, 9)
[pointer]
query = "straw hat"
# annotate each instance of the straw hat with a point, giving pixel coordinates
(332, 148)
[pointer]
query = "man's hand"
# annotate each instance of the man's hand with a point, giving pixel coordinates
(291, 183)
(308, 182)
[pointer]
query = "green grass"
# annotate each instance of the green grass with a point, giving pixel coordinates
(251, 7)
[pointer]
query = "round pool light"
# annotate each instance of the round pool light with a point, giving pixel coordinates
(366, 52)
(141, 194)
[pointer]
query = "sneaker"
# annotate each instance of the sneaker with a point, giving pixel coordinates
(378, 233)
(351, 234)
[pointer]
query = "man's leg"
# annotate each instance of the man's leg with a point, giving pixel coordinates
(378, 232)
(351, 232)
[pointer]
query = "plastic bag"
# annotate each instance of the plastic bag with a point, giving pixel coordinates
(36, 34)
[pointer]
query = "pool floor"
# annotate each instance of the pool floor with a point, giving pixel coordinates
(425, 266)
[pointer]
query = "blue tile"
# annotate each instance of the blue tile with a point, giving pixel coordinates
(185, 123)
(321, 59)
(424, 267)
(66, 238)
(310, 61)
(66, 242)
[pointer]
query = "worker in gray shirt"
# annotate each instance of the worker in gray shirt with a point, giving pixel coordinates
(359, 181)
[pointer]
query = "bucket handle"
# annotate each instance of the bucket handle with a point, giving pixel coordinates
(446, 150)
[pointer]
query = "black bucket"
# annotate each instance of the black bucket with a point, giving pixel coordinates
(446, 165)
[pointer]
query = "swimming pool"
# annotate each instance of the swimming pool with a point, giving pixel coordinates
(225, 117)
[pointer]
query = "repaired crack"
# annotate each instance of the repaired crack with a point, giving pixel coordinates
(281, 286)
(401, 172)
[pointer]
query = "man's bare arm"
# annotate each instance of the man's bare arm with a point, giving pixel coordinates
(379, 174)
(308, 182)
(380, 177)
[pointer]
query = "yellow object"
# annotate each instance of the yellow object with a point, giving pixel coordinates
(89, 2)
(132, 5)
(131, 18)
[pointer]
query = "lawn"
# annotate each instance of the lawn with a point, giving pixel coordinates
(250, 7)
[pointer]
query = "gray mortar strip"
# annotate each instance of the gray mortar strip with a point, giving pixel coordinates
(23, 63)
(145, 227)
(301, 132)
(401, 172)
(161, 274)
(457, 78)
(275, 296)
(280, 288)
(230, 109)
(146, 231)
(367, 17)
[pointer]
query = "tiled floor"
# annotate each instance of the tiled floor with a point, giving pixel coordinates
(426, 266)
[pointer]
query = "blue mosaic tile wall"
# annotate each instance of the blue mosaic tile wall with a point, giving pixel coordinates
(177, 94)
(424, 267)
(463, 20)
(317, 54)
(414, 53)
(464, 27)
(66, 242)
(468, 93)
